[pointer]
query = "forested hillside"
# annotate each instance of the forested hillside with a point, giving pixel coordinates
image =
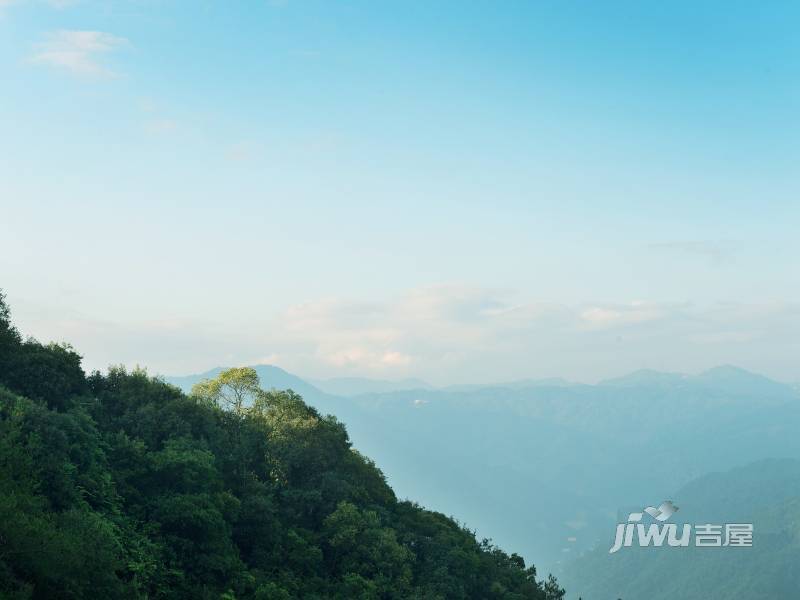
(119, 485)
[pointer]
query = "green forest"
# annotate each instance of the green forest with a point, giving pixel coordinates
(119, 485)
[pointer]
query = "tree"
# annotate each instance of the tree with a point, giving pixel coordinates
(552, 590)
(10, 339)
(51, 373)
(235, 390)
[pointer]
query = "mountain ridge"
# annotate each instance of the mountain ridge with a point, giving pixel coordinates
(725, 377)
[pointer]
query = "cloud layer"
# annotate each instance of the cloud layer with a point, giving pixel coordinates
(451, 334)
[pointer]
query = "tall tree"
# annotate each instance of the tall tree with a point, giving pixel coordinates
(234, 390)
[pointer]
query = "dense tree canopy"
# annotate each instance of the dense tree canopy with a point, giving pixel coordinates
(118, 485)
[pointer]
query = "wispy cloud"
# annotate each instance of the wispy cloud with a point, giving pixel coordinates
(616, 315)
(719, 252)
(57, 4)
(78, 52)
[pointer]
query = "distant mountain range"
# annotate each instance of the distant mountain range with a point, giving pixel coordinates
(726, 378)
(354, 386)
(722, 378)
(545, 464)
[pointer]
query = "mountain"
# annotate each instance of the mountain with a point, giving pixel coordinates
(735, 380)
(726, 378)
(543, 452)
(354, 386)
(511, 385)
(647, 378)
(270, 377)
(765, 494)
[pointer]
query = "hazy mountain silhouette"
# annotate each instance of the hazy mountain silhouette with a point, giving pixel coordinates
(647, 377)
(512, 385)
(354, 386)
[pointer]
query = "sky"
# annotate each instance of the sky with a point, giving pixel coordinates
(456, 191)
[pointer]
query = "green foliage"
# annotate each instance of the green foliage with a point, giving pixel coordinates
(118, 485)
(234, 390)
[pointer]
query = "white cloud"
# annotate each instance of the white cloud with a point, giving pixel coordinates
(459, 333)
(270, 359)
(393, 359)
(77, 52)
(438, 325)
(446, 334)
(625, 314)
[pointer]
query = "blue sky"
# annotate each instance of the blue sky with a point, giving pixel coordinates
(457, 191)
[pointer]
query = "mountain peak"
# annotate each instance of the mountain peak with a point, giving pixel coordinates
(269, 376)
(730, 371)
(735, 380)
